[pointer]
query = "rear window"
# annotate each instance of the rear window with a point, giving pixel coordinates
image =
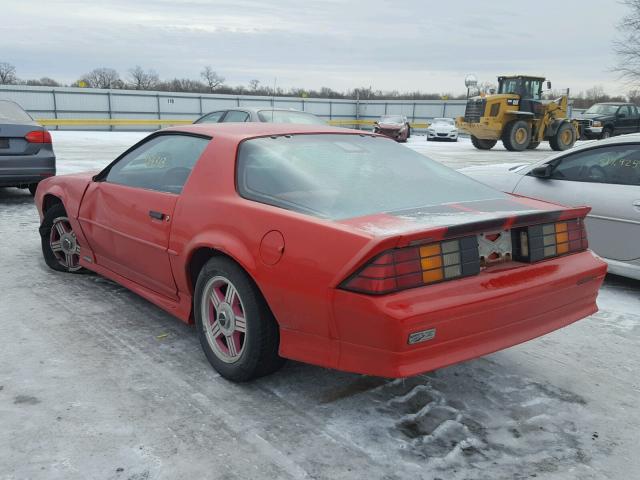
(286, 116)
(340, 176)
(12, 113)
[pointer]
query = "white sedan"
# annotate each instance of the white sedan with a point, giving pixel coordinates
(603, 174)
(442, 129)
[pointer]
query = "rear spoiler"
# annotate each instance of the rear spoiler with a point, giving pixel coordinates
(490, 225)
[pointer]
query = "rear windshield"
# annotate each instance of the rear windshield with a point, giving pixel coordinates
(286, 116)
(12, 113)
(340, 176)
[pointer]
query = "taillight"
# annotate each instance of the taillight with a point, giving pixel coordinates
(38, 136)
(411, 267)
(549, 240)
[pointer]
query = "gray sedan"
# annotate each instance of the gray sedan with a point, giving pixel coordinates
(260, 114)
(26, 152)
(602, 174)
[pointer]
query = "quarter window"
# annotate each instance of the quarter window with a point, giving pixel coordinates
(236, 116)
(213, 117)
(616, 165)
(164, 163)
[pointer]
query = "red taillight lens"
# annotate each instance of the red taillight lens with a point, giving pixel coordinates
(38, 136)
(550, 240)
(411, 267)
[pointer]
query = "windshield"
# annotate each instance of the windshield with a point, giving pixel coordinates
(443, 121)
(341, 176)
(289, 116)
(12, 113)
(603, 109)
(392, 119)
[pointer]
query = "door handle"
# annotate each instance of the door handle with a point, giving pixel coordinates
(156, 215)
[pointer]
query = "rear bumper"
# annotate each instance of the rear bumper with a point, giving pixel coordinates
(471, 317)
(26, 169)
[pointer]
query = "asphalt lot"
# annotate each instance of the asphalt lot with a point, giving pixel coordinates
(95, 382)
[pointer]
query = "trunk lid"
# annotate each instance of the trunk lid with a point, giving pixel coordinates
(13, 141)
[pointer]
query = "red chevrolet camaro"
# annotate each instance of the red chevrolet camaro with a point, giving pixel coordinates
(329, 246)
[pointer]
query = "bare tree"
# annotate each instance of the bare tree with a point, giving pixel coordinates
(43, 82)
(141, 80)
(103, 78)
(254, 84)
(211, 78)
(627, 46)
(7, 73)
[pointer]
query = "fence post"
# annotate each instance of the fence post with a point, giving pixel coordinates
(55, 106)
(158, 104)
(200, 98)
(413, 113)
(109, 107)
(330, 110)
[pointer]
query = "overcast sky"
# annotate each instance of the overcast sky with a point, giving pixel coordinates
(389, 45)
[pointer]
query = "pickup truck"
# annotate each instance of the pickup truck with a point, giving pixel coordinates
(604, 120)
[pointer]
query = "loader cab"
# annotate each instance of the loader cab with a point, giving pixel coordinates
(529, 89)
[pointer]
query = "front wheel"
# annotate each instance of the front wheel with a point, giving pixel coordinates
(516, 136)
(606, 133)
(60, 247)
(564, 138)
(237, 330)
(481, 144)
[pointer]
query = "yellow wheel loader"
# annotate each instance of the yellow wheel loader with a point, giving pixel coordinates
(517, 115)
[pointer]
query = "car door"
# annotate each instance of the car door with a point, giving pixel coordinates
(608, 180)
(126, 213)
(625, 120)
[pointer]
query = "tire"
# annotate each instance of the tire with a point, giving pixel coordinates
(564, 138)
(32, 189)
(533, 145)
(238, 352)
(481, 144)
(516, 136)
(606, 133)
(60, 248)
(408, 132)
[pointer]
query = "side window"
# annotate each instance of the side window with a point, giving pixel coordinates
(616, 165)
(625, 110)
(213, 117)
(634, 111)
(236, 116)
(164, 163)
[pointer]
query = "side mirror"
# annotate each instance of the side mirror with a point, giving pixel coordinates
(548, 85)
(543, 171)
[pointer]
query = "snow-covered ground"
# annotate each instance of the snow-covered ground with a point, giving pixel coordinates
(97, 383)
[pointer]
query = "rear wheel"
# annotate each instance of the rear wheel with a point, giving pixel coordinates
(60, 247)
(32, 188)
(481, 144)
(564, 137)
(516, 136)
(237, 330)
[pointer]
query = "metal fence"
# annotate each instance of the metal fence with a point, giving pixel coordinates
(88, 103)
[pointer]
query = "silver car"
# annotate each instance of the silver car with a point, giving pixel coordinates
(260, 114)
(26, 152)
(602, 174)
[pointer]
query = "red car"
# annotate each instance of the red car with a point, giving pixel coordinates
(329, 246)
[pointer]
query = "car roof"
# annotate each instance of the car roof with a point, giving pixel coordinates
(240, 131)
(258, 109)
(613, 103)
